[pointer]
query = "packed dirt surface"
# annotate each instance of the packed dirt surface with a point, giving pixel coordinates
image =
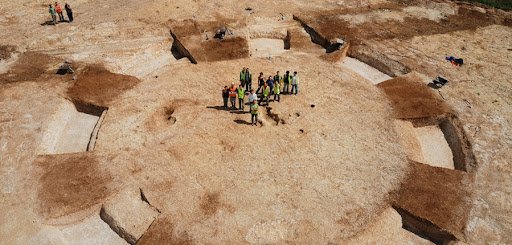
(133, 146)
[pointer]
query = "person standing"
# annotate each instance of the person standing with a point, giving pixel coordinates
(270, 83)
(248, 80)
(232, 96)
(261, 81)
(69, 12)
(241, 96)
(52, 12)
(295, 82)
(266, 93)
(277, 91)
(242, 76)
(252, 97)
(254, 113)
(286, 81)
(277, 78)
(58, 8)
(225, 96)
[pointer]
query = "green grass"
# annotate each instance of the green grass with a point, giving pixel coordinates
(501, 4)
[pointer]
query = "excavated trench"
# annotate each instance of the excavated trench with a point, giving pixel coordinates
(443, 143)
(424, 228)
(74, 128)
(317, 38)
(179, 51)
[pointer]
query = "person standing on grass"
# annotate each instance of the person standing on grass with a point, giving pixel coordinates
(225, 96)
(261, 81)
(52, 12)
(241, 96)
(295, 82)
(232, 96)
(248, 79)
(277, 91)
(254, 113)
(69, 12)
(58, 8)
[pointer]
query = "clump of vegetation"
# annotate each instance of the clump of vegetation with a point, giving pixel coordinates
(501, 4)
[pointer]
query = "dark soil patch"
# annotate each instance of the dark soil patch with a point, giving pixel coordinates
(6, 51)
(437, 195)
(71, 183)
(330, 26)
(28, 67)
(412, 99)
(226, 49)
(98, 86)
(210, 203)
(163, 231)
(196, 41)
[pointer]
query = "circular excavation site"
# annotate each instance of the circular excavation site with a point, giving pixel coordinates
(286, 122)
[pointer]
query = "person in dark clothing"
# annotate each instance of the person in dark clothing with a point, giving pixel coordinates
(69, 12)
(261, 81)
(286, 81)
(225, 96)
(270, 83)
(248, 80)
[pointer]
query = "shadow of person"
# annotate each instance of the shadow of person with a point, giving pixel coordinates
(220, 108)
(239, 121)
(48, 23)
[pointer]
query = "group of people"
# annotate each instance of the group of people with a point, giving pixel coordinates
(57, 10)
(272, 86)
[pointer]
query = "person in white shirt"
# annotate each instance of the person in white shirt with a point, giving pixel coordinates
(295, 82)
(252, 97)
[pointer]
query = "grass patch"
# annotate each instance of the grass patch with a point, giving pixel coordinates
(501, 4)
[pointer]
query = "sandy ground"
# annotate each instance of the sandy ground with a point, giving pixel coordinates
(329, 165)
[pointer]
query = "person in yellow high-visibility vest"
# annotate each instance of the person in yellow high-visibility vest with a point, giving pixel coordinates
(265, 93)
(277, 91)
(241, 96)
(254, 113)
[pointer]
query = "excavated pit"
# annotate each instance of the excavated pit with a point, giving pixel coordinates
(366, 71)
(179, 51)
(74, 128)
(266, 47)
(328, 45)
(424, 228)
(439, 142)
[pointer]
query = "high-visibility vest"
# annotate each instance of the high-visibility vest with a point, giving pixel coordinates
(254, 109)
(232, 92)
(266, 91)
(277, 88)
(242, 76)
(241, 93)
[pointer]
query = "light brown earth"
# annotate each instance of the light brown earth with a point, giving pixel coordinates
(343, 162)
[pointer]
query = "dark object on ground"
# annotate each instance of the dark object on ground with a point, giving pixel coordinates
(438, 82)
(455, 61)
(248, 9)
(221, 32)
(65, 68)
